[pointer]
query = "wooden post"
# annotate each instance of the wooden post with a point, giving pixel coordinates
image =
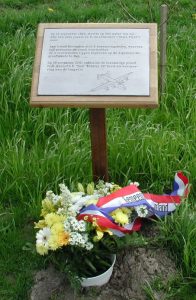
(98, 144)
(163, 43)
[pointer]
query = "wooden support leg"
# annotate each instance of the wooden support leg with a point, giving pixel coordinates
(98, 144)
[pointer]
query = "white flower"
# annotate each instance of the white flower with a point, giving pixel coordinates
(75, 225)
(79, 202)
(102, 188)
(85, 237)
(141, 210)
(65, 197)
(60, 211)
(56, 199)
(73, 210)
(80, 239)
(67, 226)
(82, 226)
(89, 246)
(76, 196)
(65, 193)
(134, 183)
(75, 239)
(90, 197)
(43, 236)
(50, 195)
(108, 185)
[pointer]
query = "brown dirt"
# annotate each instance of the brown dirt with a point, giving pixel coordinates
(134, 268)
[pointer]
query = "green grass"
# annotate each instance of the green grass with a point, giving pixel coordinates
(40, 148)
(179, 233)
(16, 264)
(175, 289)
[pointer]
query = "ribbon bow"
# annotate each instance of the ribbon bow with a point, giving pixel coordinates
(131, 197)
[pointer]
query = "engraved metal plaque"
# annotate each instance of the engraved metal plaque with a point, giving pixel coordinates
(95, 65)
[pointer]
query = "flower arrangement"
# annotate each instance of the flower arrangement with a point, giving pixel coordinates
(79, 230)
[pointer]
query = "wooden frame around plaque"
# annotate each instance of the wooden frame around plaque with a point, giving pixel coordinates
(97, 101)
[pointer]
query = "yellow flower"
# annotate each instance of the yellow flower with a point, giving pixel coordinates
(57, 227)
(53, 242)
(90, 188)
(100, 233)
(81, 188)
(53, 218)
(63, 238)
(47, 207)
(98, 236)
(58, 240)
(94, 223)
(115, 187)
(58, 237)
(41, 249)
(120, 217)
(41, 224)
(126, 210)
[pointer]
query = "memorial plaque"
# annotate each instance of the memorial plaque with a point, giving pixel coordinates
(95, 65)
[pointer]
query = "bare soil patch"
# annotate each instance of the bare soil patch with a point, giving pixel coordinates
(134, 268)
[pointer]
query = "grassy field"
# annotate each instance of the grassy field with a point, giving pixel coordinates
(41, 148)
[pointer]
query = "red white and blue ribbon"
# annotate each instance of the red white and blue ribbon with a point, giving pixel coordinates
(130, 196)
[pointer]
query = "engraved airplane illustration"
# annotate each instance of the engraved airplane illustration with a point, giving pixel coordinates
(110, 83)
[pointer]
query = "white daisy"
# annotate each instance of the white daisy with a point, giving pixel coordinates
(43, 236)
